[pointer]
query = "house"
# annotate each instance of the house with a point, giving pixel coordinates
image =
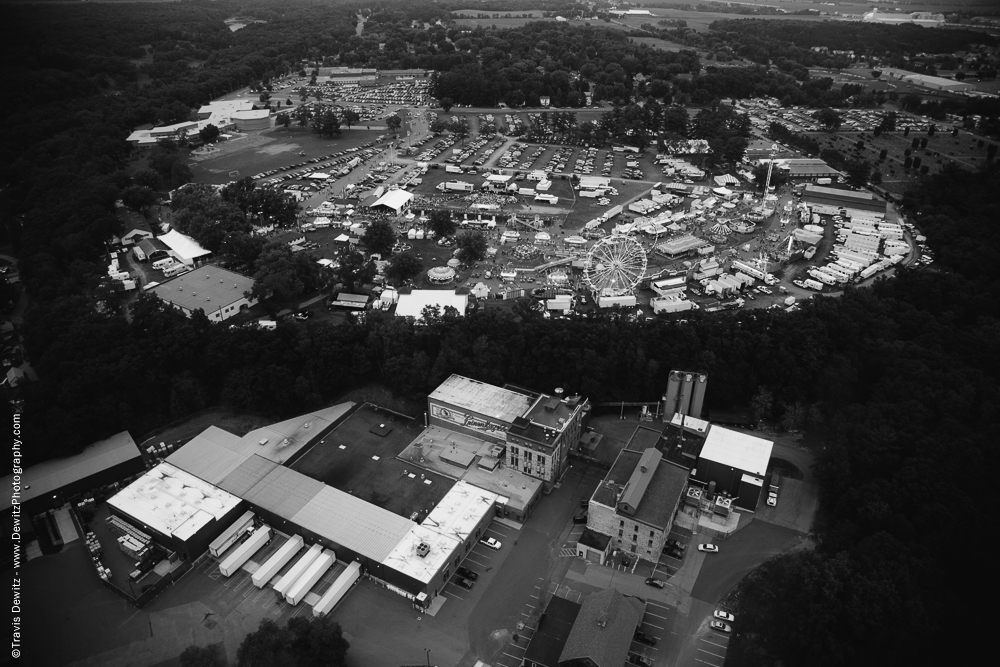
(603, 631)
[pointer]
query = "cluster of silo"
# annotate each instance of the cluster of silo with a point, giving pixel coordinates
(685, 394)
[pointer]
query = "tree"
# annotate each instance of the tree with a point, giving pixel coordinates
(302, 116)
(442, 224)
(355, 270)
(762, 404)
(350, 117)
(149, 178)
(439, 125)
(829, 118)
(202, 656)
(284, 120)
(209, 133)
(402, 267)
(460, 128)
(267, 645)
(447, 103)
(379, 237)
(876, 73)
(326, 124)
(393, 123)
(471, 247)
(778, 176)
(283, 275)
(317, 642)
(138, 197)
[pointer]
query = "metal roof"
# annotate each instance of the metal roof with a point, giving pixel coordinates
(485, 399)
(738, 450)
(351, 522)
(553, 630)
(244, 476)
(50, 476)
(639, 481)
(283, 491)
(209, 455)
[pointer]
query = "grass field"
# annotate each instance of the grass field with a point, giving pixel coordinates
(280, 149)
(381, 482)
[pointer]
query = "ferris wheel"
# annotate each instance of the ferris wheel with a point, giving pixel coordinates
(615, 265)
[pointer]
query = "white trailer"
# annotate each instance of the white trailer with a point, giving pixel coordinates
(278, 560)
(174, 270)
(749, 270)
(628, 301)
(301, 565)
(242, 553)
(823, 276)
(338, 590)
(870, 271)
(812, 284)
(304, 584)
(452, 169)
(229, 537)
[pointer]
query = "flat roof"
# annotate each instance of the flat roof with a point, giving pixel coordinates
(461, 510)
(486, 399)
(681, 244)
(251, 114)
(662, 492)
(284, 491)
(352, 523)
(690, 423)
(739, 450)
(207, 287)
(404, 556)
(214, 453)
(837, 192)
(172, 502)
(413, 304)
(50, 476)
(548, 410)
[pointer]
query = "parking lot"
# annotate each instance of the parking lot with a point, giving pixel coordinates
(482, 563)
(668, 565)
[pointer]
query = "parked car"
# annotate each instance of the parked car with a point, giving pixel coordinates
(708, 548)
(643, 638)
(580, 518)
(302, 316)
(673, 553)
(772, 500)
(467, 573)
(720, 626)
(680, 546)
(655, 583)
(641, 660)
(464, 583)
(724, 616)
(492, 543)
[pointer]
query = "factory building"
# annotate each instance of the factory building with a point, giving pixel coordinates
(733, 465)
(839, 198)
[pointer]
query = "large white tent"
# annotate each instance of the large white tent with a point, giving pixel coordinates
(397, 200)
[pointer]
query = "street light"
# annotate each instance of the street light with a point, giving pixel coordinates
(428, 652)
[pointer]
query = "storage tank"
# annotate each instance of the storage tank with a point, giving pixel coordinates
(684, 401)
(673, 389)
(309, 578)
(278, 560)
(698, 400)
(243, 552)
(298, 569)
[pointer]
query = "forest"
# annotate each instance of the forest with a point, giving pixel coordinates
(895, 384)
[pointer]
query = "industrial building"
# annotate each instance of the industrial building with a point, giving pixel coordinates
(192, 498)
(733, 464)
(635, 504)
(927, 81)
(808, 169)
(252, 119)
(537, 430)
(685, 394)
(849, 199)
(220, 293)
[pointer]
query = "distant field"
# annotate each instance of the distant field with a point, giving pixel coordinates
(499, 23)
(472, 13)
(662, 44)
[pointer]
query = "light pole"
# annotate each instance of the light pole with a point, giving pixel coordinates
(428, 652)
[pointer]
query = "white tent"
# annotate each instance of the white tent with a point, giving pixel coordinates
(397, 200)
(481, 291)
(183, 248)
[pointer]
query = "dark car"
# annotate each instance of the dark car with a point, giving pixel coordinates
(643, 638)
(643, 661)
(673, 553)
(464, 583)
(467, 573)
(655, 583)
(674, 544)
(303, 315)
(580, 518)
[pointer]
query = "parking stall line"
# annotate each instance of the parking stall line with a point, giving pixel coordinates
(468, 559)
(658, 616)
(512, 656)
(653, 626)
(710, 653)
(706, 662)
(714, 644)
(457, 597)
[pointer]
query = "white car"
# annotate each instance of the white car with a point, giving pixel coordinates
(723, 616)
(708, 548)
(720, 626)
(492, 543)
(772, 501)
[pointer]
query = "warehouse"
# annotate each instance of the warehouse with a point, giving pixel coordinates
(218, 292)
(476, 408)
(808, 169)
(252, 119)
(734, 465)
(850, 199)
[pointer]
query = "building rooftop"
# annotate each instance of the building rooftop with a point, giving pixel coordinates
(661, 493)
(251, 114)
(639, 480)
(214, 453)
(604, 629)
(173, 502)
(439, 449)
(485, 399)
(461, 510)
(840, 193)
(183, 246)
(226, 106)
(421, 553)
(207, 287)
(413, 304)
(552, 412)
(52, 475)
(553, 630)
(739, 450)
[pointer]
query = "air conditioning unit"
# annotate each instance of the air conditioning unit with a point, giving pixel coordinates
(423, 549)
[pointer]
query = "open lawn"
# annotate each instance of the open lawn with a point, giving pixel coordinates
(280, 149)
(354, 459)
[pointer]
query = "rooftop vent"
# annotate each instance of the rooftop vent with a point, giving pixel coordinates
(263, 441)
(423, 549)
